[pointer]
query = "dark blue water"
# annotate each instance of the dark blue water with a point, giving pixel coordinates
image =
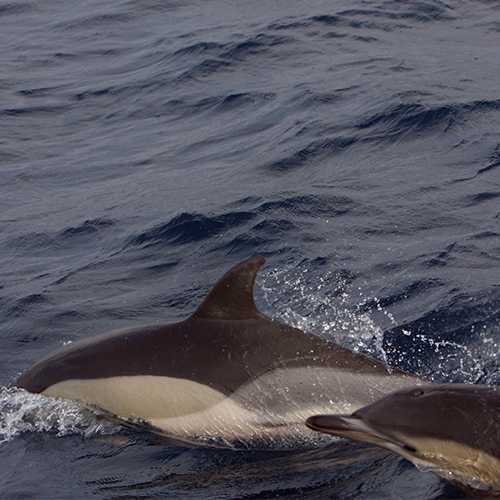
(147, 146)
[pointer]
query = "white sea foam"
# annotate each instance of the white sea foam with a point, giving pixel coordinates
(22, 411)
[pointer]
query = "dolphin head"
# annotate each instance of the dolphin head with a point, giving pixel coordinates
(451, 429)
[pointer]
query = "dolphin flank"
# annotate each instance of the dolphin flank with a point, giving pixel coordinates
(451, 429)
(225, 373)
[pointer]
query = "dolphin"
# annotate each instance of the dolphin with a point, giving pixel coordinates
(451, 429)
(227, 373)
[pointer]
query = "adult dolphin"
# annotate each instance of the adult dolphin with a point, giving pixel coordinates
(451, 429)
(225, 373)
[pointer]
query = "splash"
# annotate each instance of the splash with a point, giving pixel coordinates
(322, 305)
(322, 300)
(22, 411)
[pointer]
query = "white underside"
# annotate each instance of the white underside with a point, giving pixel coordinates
(147, 397)
(277, 403)
(454, 461)
(450, 460)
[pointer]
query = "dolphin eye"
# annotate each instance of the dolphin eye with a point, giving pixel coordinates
(417, 393)
(410, 448)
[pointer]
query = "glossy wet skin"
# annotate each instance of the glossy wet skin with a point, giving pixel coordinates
(224, 369)
(454, 429)
(226, 343)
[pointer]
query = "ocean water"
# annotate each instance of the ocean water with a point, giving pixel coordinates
(147, 146)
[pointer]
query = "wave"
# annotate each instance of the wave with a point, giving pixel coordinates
(64, 240)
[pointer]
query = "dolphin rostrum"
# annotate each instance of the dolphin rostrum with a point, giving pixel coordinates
(226, 373)
(451, 429)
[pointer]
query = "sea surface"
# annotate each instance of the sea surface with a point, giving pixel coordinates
(146, 146)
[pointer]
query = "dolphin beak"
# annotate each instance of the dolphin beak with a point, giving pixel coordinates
(331, 424)
(355, 428)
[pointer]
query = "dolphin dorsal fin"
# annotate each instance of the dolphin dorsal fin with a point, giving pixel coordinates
(232, 296)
